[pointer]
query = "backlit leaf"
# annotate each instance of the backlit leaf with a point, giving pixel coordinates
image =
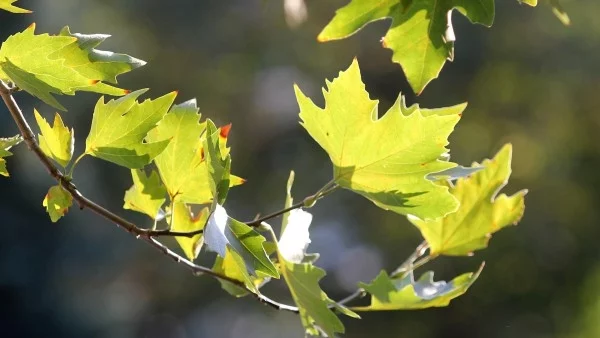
(56, 141)
(233, 266)
(408, 294)
(57, 202)
(482, 211)
(61, 64)
(5, 145)
(147, 195)
(385, 159)
(182, 220)
(7, 5)
(120, 126)
(218, 165)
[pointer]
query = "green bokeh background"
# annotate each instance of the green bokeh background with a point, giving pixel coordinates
(528, 80)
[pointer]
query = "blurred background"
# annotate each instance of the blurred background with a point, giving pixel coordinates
(528, 80)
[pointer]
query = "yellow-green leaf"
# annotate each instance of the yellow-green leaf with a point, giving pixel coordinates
(5, 145)
(385, 159)
(482, 211)
(147, 195)
(182, 220)
(57, 202)
(120, 126)
(7, 5)
(408, 294)
(233, 266)
(56, 141)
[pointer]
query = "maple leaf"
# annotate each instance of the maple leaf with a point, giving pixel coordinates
(387, 160)
(147, 195)
(57, 202)
(5, 145)
(56, 141)
(407, 294)
(45, 64)
(120, 126)
(421, 36)
(481, 213)
(7, 5)
(182, 220)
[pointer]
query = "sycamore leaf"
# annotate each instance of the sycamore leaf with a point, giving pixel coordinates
(385, 159)
(7, 6)
(295, 238)
(218, 166)
(120, 126)
(408, 294)
(421, 36)
(61, 64)
(147, 195)
(57, 202)
(56, 141)
(233, 266)
(5, 145)
(222, 231)
(482, 211)
(182, 220)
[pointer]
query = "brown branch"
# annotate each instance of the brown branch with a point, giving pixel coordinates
(144, 234)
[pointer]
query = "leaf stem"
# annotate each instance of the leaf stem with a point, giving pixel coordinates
(139, 233)
(70, 174)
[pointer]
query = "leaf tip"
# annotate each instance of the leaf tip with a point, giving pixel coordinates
(32, 26)
(126, 91)
(225, 131)
(93, 82)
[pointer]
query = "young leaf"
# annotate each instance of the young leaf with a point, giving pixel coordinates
(421, 36)
(7, 6)
(481, 211)
(184, 221)
(406, 294)
(295, 238)
(57, 202)
(120, 126)
(223, 230)
(147, 195)
(218, 166)
(387, 160)
(5, 145)
(61, 64)
(56, 141)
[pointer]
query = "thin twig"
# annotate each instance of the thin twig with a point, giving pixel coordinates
(408, 264)
(84, 202)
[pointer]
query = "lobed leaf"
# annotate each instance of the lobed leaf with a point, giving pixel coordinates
(7, 5)
(385, 159)
(406, 294)
(233, 266)
(147, 195)
(5, 145)
(57, 202)
(182, 220)
(56, 141)
(44, 64)
(217, 164)
(482, 211)
(120, 126)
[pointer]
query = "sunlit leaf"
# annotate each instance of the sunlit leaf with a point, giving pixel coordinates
(5, 145)
(408, 294)
(385, 159)
(7, 5)
(218, 166)
(56, 141)
(57, 202)
(182, 220)
(482, 211)
(120, 126)
(61, 64)
(233, 266)
(222, 231)
(420, 36)
(147, 195)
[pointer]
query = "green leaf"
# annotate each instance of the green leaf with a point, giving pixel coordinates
(218, 166)
(57, 202)
(387, 160)
(406, 294)
(222, 231)
(184, 221)
(5, 145)
(482, 211)
(7, 6)
(56, 141)
(233, 266)
(147, 195)
(61, 64)
(289, 200)
(421, 36)
(120, 126)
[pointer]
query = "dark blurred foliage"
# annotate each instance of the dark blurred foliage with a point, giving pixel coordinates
(528, 80)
